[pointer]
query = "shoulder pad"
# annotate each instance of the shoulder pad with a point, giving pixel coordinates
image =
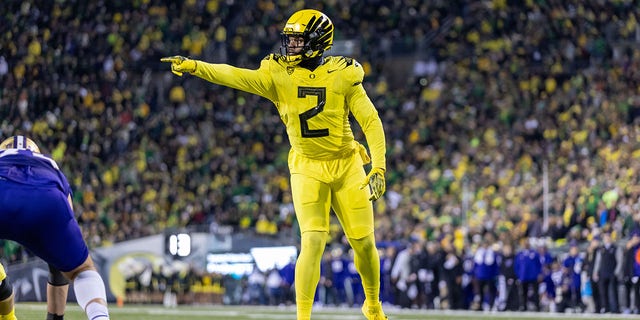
(342, 62)
(271, 56)
(351, 67)
(275, 57)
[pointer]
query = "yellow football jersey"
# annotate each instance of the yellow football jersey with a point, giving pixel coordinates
(313, 105)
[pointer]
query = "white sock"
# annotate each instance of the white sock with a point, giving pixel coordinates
(87, 286)
(97, 311)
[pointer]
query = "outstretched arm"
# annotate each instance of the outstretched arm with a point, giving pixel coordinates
(253, 81)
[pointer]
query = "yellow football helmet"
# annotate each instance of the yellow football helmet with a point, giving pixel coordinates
(315, 28)
(19, 142)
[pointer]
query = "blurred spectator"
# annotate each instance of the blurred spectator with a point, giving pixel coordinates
(607, 268)
(327, 293)
(355, 293)
(528, 267)
(552, 287)
(572, 269)
(432, 273)
(508, 288)
(339, 265)
(256, 287)
(546, 258)
(273, 286)
(387, 288)
(592, 278)
(631, 275)
(451, 272)
(403, 275)
(287, 272)
(485, 272)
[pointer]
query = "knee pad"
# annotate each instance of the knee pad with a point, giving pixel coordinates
(56, 278)
(314, 240)
(366, 243)
(6, 289)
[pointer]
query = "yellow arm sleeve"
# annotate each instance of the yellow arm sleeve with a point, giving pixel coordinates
(367, 116)
(253, 81)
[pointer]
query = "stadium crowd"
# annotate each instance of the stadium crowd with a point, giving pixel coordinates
(512, 109)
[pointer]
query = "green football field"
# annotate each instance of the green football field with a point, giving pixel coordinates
(37, 311)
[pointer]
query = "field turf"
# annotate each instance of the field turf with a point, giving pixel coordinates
(37, 311)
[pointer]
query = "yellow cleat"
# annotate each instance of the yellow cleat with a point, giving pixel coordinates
(3, 274)
(373, 312)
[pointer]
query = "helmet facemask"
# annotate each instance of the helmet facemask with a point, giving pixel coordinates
(290, 53)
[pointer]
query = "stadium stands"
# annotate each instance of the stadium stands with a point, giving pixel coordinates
(511, 110)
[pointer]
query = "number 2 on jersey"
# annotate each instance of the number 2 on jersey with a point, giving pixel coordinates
(321, 93)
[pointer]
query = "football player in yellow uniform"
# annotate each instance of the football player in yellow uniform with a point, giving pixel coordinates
(314, 96)
(7, 309)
